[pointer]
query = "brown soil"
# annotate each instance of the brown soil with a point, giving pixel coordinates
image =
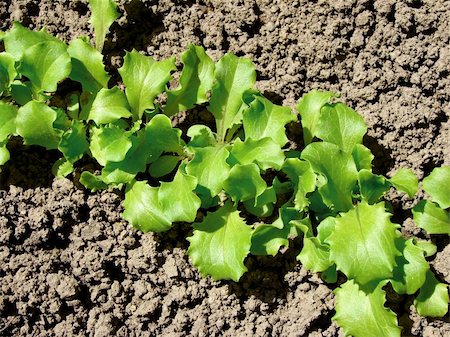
(69, 266)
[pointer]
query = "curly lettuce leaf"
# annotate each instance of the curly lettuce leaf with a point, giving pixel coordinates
(46, 64)
(8, 114)
(264, 119)
(406, 181)
(371, 186)
(234, 76)
(87, 66)
(108, 106)
(92, 182)
(109, 144)
(201, 136)
(309, 107)
(7, 71)
(373, 243)
(244, 182)
(303, 180)
(73, 143)
(264, 152)
(437, 185)
(196, 80)
(363, 157)
(103, 14)
(433, 299)
(220, 244)
(144, 79)
(431, 217)
(363, 314)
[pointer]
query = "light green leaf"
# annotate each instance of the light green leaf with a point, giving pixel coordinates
(103, 14)
(428, 247)
(264, 152)
(73, 142)
(431, 217)
(372, 243)
(363, 314)
(8, 114)
(163, 166)
(309, 107)
(341, 125)
(177, 199)
(109, 106)
(411, 269)
(18, 39)
(46, 64)
(363, 157)
(196, 81)
(244, 182)
(234, 75)
(21, 92)
(92, 182)
(62, 168)
(372, 186)
(267, 239)
(109, 144)
(7, 71)
(142, 208)
(34, 123)
(264, 203)
(437, 185)
(433, 298)
(303, 179)
(87, 66)
(339, 170)
(220, 244)
(144, 79)
(211, 169)
(264, 119)
(315, 254)
(406, 181)
(4, 154)
(201, 136)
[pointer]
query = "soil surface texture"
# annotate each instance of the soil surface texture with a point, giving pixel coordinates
(70, 266)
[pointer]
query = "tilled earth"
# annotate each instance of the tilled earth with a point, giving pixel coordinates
(70, 266)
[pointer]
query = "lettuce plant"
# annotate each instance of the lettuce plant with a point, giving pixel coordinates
(218, 175)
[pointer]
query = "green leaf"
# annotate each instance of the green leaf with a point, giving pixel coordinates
(406, 181)
(211, 169)
(372, 186)
(177, 199)
(315, 254)
(87, 66)
(432, 218)
(411, 268)
(73, 142)
(244, 183)
(62, 168)
(372, 243)
(303, 179)
(433, 298)
(8, 114)
(19, 39)
(234, 76)
(7, 71)
(263, 152)
(21, 92)
(109, 144)
(263, 205)
(201, 136)
(103, 14)
(339, 170)
(363, 157)
(437, 185)
(144, 79)
(428, 247)
(142, 208)
(34, 124)
(341, 125)
(196, 81)
(220, 244)
(264, 119)
(267, 239)
(109, 106)
(163, 166)
(363, 314)
(4, 154)
(46, 64)
(309, 107)
(92, 182)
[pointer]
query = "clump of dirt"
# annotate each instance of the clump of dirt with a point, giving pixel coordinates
(69, 265)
